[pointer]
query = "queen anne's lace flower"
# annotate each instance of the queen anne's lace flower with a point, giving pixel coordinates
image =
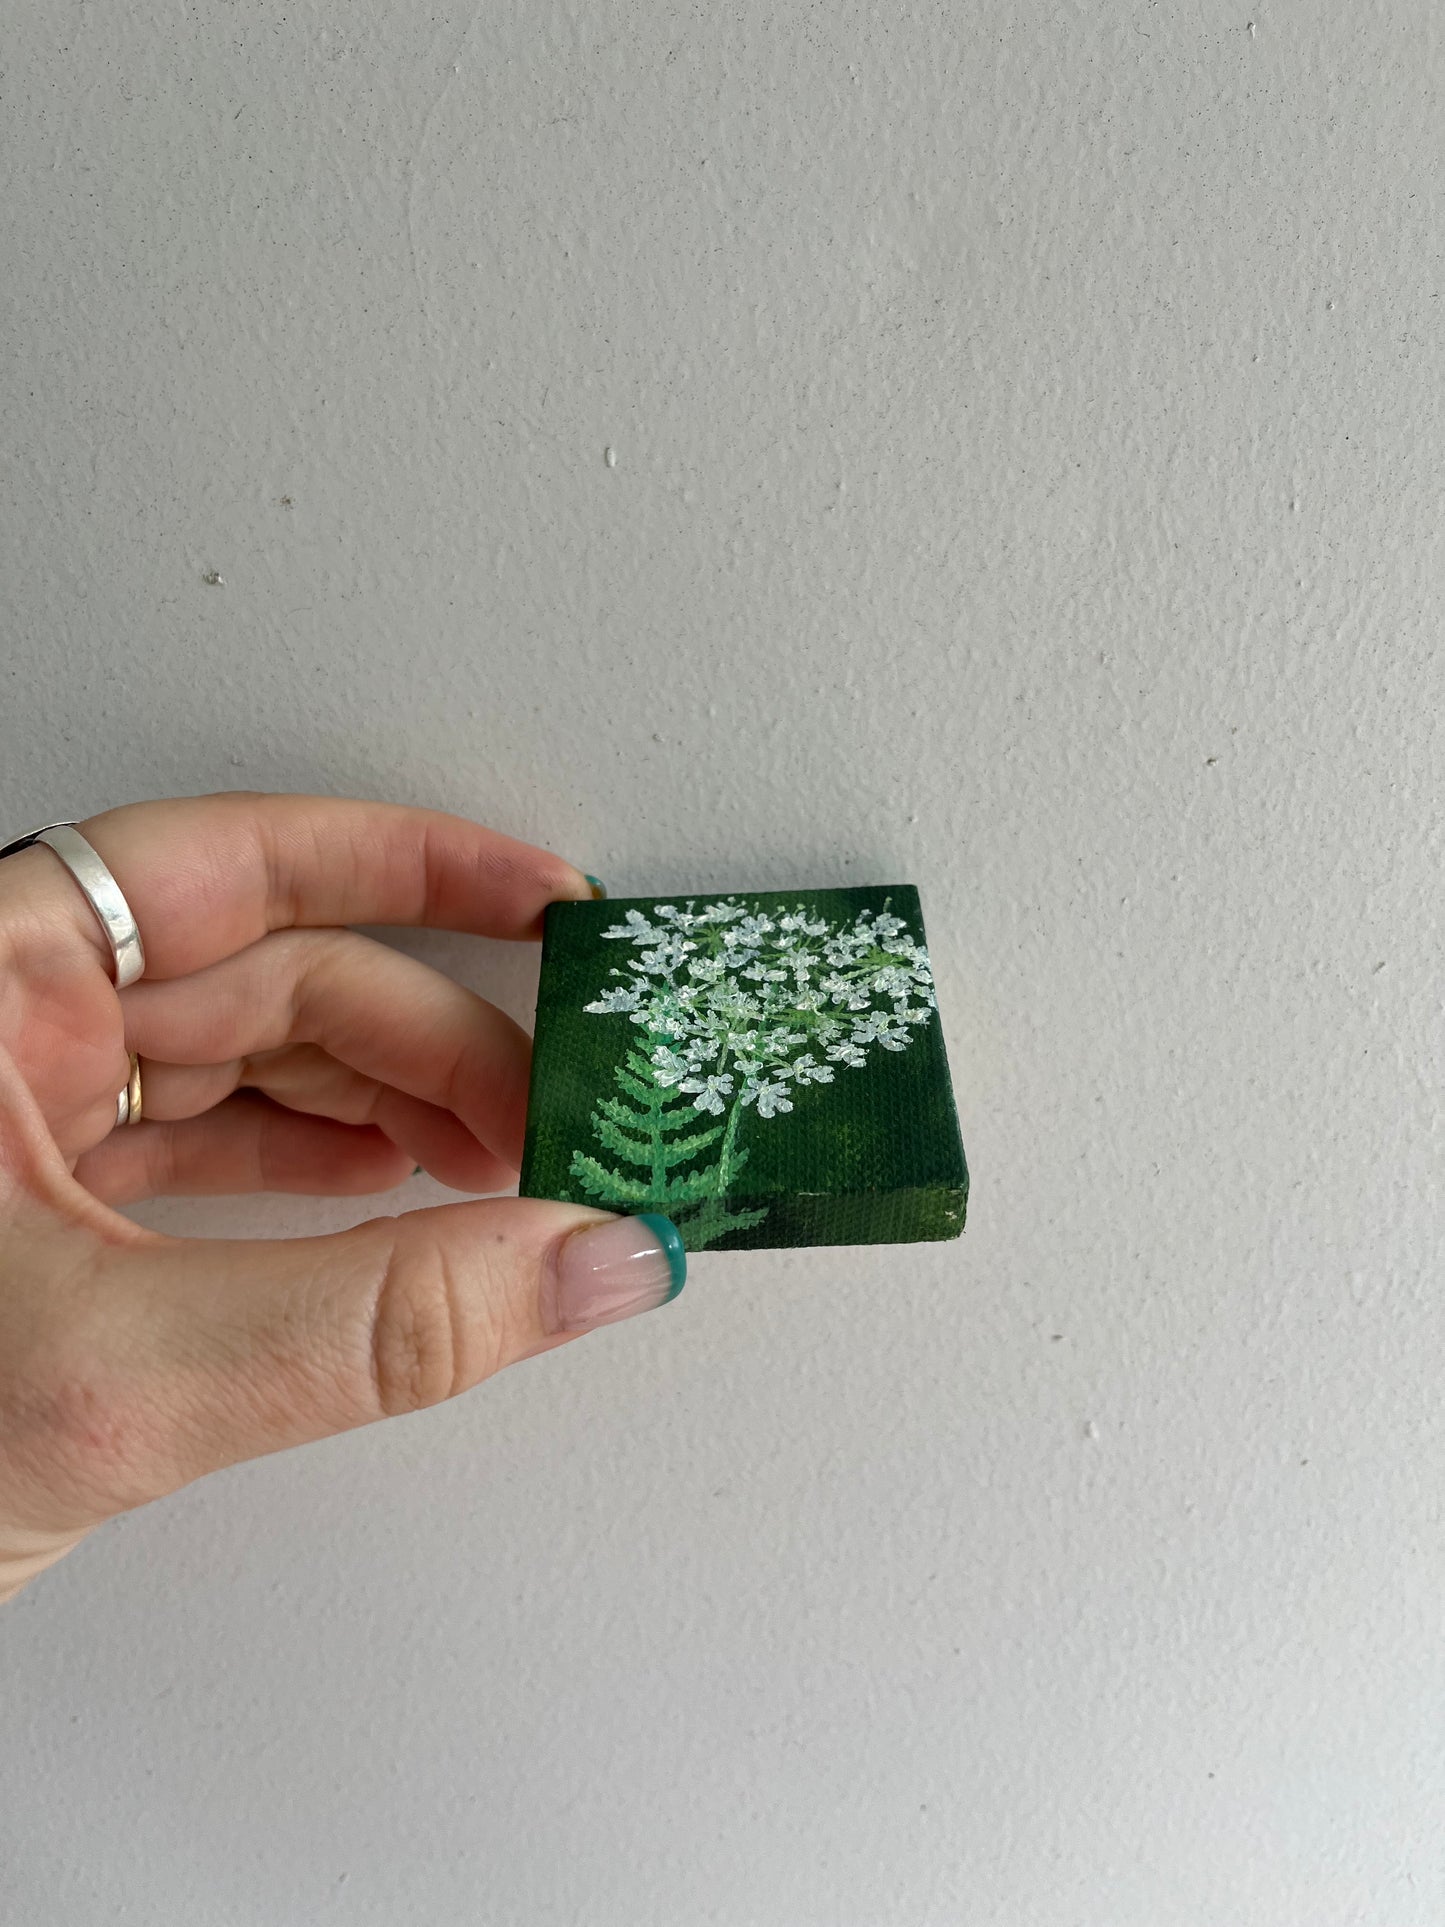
(739, 1012)
(880, 1027)
(772, 1097)
(667, 1066)
(806, 1070)
(636, 929)
(616, 999)
(707, 1093)
(742, 1006)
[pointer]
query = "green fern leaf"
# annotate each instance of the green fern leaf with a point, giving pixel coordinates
(690, 1189)
(624, 1114)
(700, 1231)
(635, 1150)
(644, 1093)
(674, 1120)
(598, 1182)
(688, 1147)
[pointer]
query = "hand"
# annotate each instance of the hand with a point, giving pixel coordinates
(280, 1051)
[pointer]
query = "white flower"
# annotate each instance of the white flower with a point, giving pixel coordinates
(852, 995)
(666, 957)
(806, 1070)
(618, 999)
(709, 1092)
(732, 992)
(845, 950)
(772, 1097)
(636, 929)
(878, 1027)
(738, 1008)
(891, 981)
(778, 1041)
(666, 1016)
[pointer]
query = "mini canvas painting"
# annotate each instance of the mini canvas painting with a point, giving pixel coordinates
(763, 1069)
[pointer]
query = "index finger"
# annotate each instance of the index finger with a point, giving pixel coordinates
(209, 875)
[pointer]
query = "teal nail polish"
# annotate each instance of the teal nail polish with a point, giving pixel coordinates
(599, 888)
(670, 1238)
(609, 1269)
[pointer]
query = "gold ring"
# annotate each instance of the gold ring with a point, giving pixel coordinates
(132, 1091)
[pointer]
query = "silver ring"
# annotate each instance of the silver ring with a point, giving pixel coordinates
(102, 893)
(122, 1106)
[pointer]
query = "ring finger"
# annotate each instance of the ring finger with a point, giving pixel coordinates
(307, 1079)
(244, 1145)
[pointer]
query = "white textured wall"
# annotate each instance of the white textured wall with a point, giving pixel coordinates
(1028, 434)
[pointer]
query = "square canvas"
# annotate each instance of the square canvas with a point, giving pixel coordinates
(764, 1069)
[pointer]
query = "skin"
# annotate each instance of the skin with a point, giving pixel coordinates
(281, 1051)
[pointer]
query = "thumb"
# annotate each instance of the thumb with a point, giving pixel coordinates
(254, 1346)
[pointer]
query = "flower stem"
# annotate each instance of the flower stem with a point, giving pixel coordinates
(655, 1108)
(725, 1156)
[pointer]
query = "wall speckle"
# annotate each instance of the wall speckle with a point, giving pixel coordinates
(1029, 485)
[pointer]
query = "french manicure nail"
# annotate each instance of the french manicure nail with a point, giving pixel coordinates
(612, 1271)
(599, 888)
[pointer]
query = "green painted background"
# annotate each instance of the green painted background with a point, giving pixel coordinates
(875, 1157)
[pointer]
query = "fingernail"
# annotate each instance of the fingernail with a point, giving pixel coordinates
(599, 888)
(612, 1271)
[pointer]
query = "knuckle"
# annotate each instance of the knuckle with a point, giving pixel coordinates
(315, 966)
(164, 1155)
(433, 1334)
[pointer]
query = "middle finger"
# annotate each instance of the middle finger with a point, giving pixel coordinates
(382, 1013)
